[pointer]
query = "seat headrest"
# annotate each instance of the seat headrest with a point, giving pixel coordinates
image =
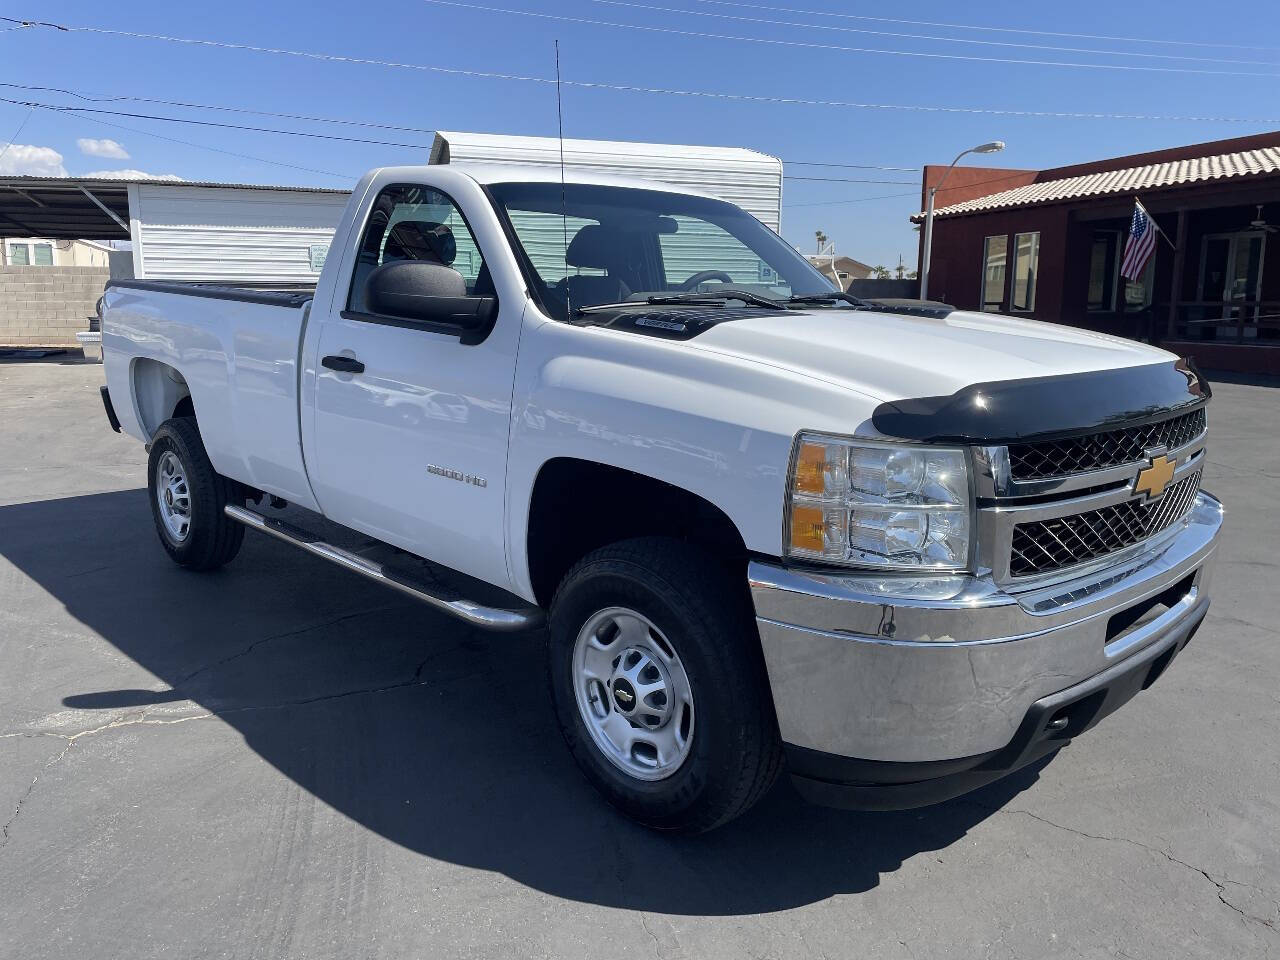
(597, 247)
(421, 240)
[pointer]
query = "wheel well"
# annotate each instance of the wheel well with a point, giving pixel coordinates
(578, 506)
(161, 392)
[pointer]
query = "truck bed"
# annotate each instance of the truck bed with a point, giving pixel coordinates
(235, 350)
(275, 298)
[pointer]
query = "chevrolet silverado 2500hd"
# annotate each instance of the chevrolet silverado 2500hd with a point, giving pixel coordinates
(902, 553)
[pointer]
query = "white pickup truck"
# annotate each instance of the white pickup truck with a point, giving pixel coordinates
(901, 552)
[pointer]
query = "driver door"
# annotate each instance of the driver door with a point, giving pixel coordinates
(411, 419)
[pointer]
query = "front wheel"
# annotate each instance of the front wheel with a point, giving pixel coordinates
(659, 684)
(187, 499)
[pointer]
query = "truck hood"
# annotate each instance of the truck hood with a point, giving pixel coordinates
(894, 356)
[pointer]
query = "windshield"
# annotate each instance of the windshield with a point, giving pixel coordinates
(607, 245)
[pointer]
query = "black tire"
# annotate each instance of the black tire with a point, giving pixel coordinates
(212, 538)
(705, 613)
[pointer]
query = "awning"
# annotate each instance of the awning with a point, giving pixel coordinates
(1242, 165)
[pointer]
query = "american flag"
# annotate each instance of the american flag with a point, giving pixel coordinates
(1140, 245)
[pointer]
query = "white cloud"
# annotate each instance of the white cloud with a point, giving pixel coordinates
(102, 148)
(129, 175)
(27, 160)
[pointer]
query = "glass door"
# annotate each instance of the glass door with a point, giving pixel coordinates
(1244, 283)
(1231, 274)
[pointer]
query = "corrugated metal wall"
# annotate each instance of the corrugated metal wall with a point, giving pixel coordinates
(266, 237)
(748, 178)
(231, 235)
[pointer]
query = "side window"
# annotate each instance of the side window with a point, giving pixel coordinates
(409, 222)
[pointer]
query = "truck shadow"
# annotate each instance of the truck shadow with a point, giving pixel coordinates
(420, 730)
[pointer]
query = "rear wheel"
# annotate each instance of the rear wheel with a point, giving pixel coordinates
(659, 684)
(187, 499)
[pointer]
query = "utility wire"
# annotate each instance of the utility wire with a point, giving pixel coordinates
(198, 146)
(932, 37)
(211, 123)
(812, 45)
(969, 26)
(321, 136)
(832, 203)
(187, 104)
(846, 166)
(671, 92)
(903, 183)
(9, 142)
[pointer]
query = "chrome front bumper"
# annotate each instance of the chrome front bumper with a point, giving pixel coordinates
(935, 669)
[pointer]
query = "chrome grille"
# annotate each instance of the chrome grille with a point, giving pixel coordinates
(1096, 451)
(1043, 546)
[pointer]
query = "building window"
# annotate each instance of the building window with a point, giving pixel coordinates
(995, 251)
(1026, 267)
(1137, 293)
(28, 253)
(1103, 265)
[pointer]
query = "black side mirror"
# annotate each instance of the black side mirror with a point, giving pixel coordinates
(427, 293)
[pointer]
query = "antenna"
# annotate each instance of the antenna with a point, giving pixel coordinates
(564, 214)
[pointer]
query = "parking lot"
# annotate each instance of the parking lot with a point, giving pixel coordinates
(282, 760)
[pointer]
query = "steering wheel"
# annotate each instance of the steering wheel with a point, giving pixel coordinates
(703, 276)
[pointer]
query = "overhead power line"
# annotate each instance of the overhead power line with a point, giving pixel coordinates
(656, 91)
(847, 166)
(990, 30)
(813, 45)
(987, 29)
(801, 44)
(9, 143)
(903, 183)
(188, 143)
(211, 123)
(1139, 54)
(662, 91)
(320, 136)
(832, 203)
(187, 104)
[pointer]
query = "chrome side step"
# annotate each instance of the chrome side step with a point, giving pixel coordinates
(433, 593)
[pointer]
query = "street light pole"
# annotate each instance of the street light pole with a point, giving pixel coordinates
(995, 146)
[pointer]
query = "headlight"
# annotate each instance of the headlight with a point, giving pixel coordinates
(878, 504)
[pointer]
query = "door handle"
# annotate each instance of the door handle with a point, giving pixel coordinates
(343, 364)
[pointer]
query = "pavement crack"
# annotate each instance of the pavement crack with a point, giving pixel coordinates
(17, 809)
(145, 719)
(177, 684)
(70, 741)
(1219, 885)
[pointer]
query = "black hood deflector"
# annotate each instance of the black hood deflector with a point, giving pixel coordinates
(1045, 407)
(679, 323)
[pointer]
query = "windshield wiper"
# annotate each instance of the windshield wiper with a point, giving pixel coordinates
(832, 297)
(707, 299)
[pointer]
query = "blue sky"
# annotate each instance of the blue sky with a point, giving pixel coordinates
(421, 32)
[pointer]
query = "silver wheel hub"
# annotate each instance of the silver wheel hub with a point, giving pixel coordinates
(173, 496)
(633, 693)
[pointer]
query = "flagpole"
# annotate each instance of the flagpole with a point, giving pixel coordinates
(1152, 221)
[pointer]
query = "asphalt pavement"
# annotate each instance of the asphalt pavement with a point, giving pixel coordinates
(281, 760)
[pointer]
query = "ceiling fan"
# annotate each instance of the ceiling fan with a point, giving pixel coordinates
(1259, 222)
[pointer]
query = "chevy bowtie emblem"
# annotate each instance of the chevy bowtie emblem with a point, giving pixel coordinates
(623, 695)
(1154, 478)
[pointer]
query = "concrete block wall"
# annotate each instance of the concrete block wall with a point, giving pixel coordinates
(47, 306)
